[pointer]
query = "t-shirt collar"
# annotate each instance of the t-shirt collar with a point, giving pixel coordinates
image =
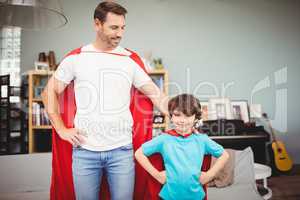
(118, 50)
(174, 133)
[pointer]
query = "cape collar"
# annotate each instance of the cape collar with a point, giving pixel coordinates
(174, 133)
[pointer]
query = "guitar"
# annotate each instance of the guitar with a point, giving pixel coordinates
(282, 160)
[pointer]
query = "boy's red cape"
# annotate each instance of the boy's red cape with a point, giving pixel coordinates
(146, 187)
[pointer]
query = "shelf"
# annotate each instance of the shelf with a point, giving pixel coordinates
(40, 72)
(157, 71)
(42, 127)
(15, 109)
(16, 117)
(37, 100)
(159, 125)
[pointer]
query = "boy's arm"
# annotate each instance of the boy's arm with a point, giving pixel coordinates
(211, 173)
(146, 164)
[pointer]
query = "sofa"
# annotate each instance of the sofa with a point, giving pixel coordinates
(244, 186)
(25, 177)
(28, 177)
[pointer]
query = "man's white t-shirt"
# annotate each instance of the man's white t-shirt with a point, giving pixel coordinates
(102, 85)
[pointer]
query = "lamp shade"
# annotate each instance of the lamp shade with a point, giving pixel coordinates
(32, 14)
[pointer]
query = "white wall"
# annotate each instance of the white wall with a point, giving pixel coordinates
(215, 41)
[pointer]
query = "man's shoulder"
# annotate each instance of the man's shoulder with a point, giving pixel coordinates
(123, 51)
(74, 51)
(69, 57)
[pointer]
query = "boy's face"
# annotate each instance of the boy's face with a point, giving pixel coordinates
(183, 124)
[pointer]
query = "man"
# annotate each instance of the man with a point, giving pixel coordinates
(103, 74)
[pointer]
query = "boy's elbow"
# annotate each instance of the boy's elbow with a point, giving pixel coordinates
(226, 155)
(138, 153)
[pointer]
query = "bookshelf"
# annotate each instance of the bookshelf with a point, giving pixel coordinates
(38, 122)
(12, 137)
(161, 79)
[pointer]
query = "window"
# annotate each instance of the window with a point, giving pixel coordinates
(10, 51)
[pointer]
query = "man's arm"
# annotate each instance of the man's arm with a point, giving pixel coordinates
(49, 95)
(158, 98)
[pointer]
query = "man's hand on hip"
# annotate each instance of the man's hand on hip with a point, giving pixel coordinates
(72, 136)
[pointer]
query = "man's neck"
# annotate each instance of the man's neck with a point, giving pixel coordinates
(101, 46)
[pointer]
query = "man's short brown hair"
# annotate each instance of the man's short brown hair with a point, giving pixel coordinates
(185, 103)
(108, 6)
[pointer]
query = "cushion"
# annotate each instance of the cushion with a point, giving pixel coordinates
(244, 186)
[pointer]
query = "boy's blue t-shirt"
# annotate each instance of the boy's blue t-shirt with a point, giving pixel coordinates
(183, 160)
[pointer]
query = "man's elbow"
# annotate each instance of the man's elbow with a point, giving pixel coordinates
(44, 95)
(47, 94)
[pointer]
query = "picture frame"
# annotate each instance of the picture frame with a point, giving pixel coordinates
(219, 108)
(240, 110)
(41, 66)
(204, 110)
(158, 118)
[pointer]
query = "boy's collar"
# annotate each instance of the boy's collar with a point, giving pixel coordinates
(174, 133)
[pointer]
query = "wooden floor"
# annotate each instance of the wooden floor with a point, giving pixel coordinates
(286, 187)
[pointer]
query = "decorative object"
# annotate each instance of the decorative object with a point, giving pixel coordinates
(255, 111)
(41, 66)
(158, 63)
(49, 59)
(147, 57)
(158, 118)
(42, 57)
(240, 110)
(219, 108)
(204, 110)
(52, 61)
(32, 14)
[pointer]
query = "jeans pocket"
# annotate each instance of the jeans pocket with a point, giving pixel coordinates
(77, 148)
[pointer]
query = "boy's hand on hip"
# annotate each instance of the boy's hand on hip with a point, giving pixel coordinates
(161, 177)
(72, 136)
(204, 178)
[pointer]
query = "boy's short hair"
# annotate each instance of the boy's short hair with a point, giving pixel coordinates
(185, 103)
(108, 6)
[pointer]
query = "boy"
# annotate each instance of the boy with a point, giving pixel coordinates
(182, 150)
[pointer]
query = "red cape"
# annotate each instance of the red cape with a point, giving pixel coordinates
(146, 187)
(141, 108)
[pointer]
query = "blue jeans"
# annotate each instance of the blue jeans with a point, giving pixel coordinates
(89, 166)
